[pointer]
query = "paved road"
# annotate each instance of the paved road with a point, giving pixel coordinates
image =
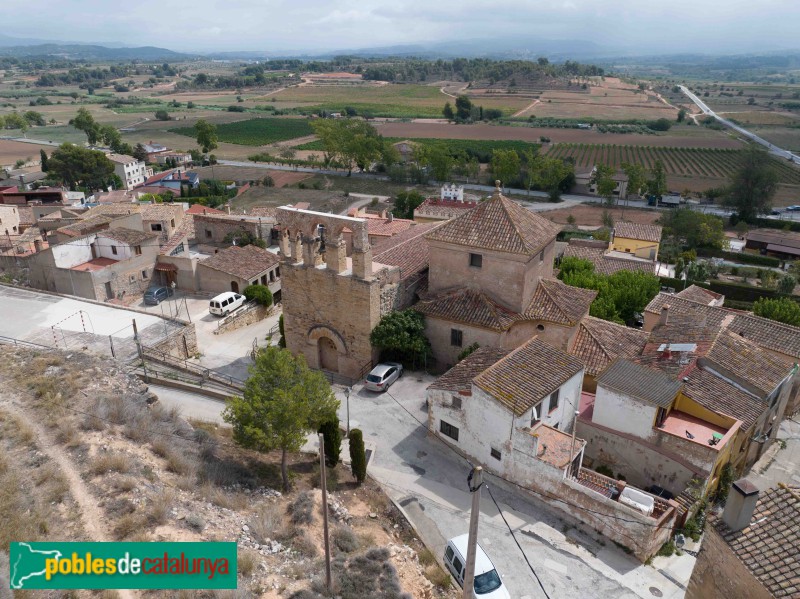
(780, 465)
(429, 481)
(770, 146)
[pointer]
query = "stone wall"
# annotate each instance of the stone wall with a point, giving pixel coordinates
(181, 343)
(719, 574)
(244, 317)
(213, 228)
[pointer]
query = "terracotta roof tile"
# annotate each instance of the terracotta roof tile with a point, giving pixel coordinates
(86, 225)
(770, 545)
(769, 334)
(407, 250)
(706, 315)
(527, 375)
(635, 380)
(719, 396)
(498, 224)
(599, 342)
(460, 376)
(698, 294)
(637, 231)
(243, 262)
(558, 302)
(442, 209)
(470, 307)
(607, 265)
(113, 210)
(200, 209)
(129, 236)
(25, 215)
(744, 360)
(161, 212)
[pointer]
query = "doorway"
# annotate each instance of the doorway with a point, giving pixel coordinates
(109, 293)
(234, 286)
(328, 355)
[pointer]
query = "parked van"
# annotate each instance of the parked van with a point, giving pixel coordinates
(488, 584)
(225, 303)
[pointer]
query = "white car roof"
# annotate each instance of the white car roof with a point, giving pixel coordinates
(482, 562)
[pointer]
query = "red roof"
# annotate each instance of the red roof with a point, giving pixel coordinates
(200, 209)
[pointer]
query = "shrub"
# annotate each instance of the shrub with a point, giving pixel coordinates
(195, 523)
(467, 351)
(109, 462)
(358, 457)
(268, 181)
(332, 440)
(303, 544)
(344, 539)
(301, 509)
(266, 523)
(282, 340)
(605, 471)
(667, 549)
(259, 294)
(246, 561)
(162, 115)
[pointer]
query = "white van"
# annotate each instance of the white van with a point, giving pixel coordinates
(225, 303)
(488, 584)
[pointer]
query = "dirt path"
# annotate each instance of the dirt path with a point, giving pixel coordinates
(441, 89)
(527, 108)
(90, 513)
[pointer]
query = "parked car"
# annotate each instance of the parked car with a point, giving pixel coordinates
(488, 584)
(225, 303)
(794, 208)
(156, 295)
(382, 376)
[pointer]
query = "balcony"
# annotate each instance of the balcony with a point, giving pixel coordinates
(611, 489)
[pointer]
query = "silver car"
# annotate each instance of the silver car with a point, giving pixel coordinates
(382, 376)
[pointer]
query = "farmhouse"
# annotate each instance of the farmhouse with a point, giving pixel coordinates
(606, 262)
(234, 268)
(584, 183)
(637, 239)
(783, 244)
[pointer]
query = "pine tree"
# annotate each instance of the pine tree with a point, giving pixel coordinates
(358, 457)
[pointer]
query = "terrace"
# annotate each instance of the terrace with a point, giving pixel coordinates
(613, 489)
(696, 430)
(94, 264)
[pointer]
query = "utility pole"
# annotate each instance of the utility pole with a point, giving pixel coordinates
(475, 482)
(572, 445)
(324, 487)
(139, 350)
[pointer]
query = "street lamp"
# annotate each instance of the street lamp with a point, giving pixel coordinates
(347, 399)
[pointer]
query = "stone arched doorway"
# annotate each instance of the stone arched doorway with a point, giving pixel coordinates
(234, 286)
(328, 355)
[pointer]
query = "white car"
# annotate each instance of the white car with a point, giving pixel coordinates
(488, 584)
(382, 376)
(225, 303)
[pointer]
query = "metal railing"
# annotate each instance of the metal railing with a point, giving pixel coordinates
(20, 343)
(153, 354)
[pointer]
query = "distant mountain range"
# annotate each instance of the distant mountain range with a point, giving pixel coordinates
(20, 47)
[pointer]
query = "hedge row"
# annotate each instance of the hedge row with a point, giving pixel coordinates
(742, 258)
(748, 306)
(732, 291)
(770, 223)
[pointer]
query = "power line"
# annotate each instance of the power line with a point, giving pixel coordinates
(513, 536)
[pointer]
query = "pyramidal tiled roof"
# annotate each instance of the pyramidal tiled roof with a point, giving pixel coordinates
(558, 302)
(498, 224)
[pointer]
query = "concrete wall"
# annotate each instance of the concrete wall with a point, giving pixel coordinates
(213, 229)
(317, 302)
(112, 249)
(510, 279)
(68, 255)
(553, 334)
(9, 220)
(719, 574)
(186, 278)
(216, 281)
(624, 414)
(181, 343)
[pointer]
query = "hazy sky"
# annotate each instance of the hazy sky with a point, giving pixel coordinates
(645, 26)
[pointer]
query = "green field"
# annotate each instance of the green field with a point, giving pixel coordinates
(256, 132)
(479, 148)
(690, 162)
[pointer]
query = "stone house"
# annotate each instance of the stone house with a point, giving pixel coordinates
(584, 183)
(235, 267)
(512, 411)
(491, 282)
(109, 264)
(212, 231)
(605, 262)
(702, 296)
(753, 549)
(162, 219)
(637, 239)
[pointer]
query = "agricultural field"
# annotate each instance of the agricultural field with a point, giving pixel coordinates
(257, 132)
(762, 117)
(390, 100)
(687, 162)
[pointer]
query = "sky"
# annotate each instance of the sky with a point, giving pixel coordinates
(640, 26)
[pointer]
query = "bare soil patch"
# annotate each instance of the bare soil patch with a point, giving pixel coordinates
(250, 173)
(11, 151)
(592, 216)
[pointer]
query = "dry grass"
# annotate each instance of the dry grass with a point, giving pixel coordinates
(438, 577)
(159, 507)
(127, 525)
(266, 522)
(246, 562)
(125, 484)
(110, 462)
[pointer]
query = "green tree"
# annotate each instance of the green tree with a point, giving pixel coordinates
(505, 166)
(657, 183)
(692, 229)
(405, 202)
(637, 177)
(139, 153)
(448, 112)
(74, 165)
(753, 185)
(463, 108)
(441, 163)
(681, 115)
(282, 340)
(783, 309)
(530, 173)
(84, 121)
(358, 456)
(259, 294)
(162, 115)
(283, 401)
(331, 440)
(43, 159)
(603, 178)
(401, 336)
(553, 175)
(350, 142)
(206, 135)
(34, 118)
(15, 120)
(786, 284)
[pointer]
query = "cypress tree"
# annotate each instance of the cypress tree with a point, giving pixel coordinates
(358, 457)
(332, 440)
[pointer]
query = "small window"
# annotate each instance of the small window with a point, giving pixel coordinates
(541, 256)
(448, 553)
(554, 398)
(456, 337)
(476, 260)
(144, 274)
(457, 565)
(114, 250)
(456, 403)
(137, 249)
(208, 234)
(540, 327)
(448, 429)
(133, 278)
(496, 454)
(155, 227)
(536, 414)
(172, 223)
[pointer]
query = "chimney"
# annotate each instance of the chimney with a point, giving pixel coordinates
(37, 245)
(664, 315)
(228, 206)
(741, 504)
(666, 354)
(391, 217)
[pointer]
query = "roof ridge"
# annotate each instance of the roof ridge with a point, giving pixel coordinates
(504, 202)
(597, 340)
(550, 297)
